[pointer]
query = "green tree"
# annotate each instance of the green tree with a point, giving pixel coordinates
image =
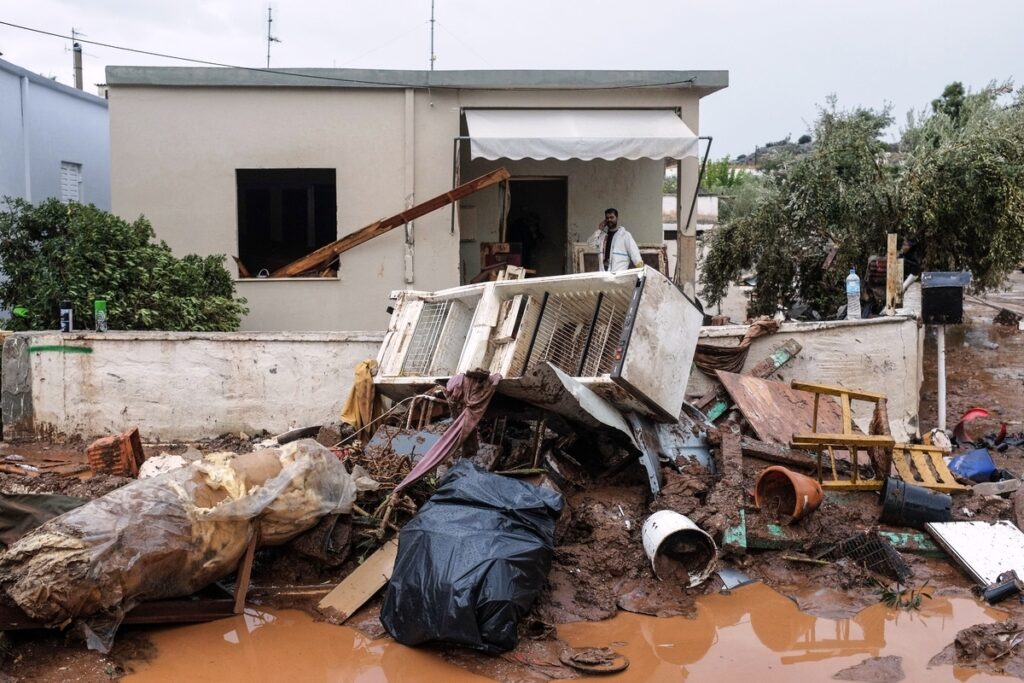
(57, 252)
(957, 186)
(952, 101)
(719, 177)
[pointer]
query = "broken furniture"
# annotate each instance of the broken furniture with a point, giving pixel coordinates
(604, 330)
(924, 466)
(846, 440)
(586, 259)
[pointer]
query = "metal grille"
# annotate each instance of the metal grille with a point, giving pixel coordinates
(872, 551)
(565, 325)
(423, 345)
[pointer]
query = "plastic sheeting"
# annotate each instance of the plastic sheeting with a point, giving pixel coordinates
(579, 134)
(471, 563)
(169, 535)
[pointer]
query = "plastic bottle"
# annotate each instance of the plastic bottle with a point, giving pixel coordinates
(100, 309)
(852, 295)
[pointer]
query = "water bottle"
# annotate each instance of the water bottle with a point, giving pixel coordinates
(852, 295)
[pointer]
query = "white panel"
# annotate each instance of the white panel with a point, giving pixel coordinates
(579, 134)
(985, 550)
(658, 356)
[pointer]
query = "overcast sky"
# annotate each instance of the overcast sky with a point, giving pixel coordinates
(783, 58)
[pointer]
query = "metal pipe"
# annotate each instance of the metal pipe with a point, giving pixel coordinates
(940, 345)
(533, 337)
(590, 335)
(700, 176)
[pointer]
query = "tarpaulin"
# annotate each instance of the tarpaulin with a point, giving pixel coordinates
(472, 561)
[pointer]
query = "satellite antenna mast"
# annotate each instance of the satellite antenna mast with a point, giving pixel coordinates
(270, 38)
(433, 57)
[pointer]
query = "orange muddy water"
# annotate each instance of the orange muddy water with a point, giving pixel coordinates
(754, 634)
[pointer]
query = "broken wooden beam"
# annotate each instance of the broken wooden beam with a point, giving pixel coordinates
(361, 585)
(317, 259)
(776, 453)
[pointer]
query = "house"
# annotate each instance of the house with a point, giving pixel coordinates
(54, 140)
(267, 166)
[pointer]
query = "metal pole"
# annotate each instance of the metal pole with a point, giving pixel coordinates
(432, 55)
(940, 345)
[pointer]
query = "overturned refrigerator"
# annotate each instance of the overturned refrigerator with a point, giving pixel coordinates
(605, 350)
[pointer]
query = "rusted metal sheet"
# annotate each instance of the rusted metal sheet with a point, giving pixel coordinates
(776, 412)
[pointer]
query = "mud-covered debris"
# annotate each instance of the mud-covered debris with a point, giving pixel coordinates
(595, 660)
(874, 670)
(873, 552)
(994, 647)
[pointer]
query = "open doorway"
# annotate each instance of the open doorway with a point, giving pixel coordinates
(538, 222)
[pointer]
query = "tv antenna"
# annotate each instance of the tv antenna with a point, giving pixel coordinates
(433, 57)
(270, 37)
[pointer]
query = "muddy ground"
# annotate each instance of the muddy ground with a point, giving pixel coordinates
(599, 567)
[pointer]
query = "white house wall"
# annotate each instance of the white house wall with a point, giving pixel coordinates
(175, 151)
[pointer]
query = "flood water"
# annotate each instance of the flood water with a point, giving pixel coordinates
(753, 634)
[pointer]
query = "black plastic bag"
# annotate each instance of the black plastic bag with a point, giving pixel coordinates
(471, 563)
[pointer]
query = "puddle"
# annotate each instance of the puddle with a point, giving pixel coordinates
(754, 632)
(759, 633)
(285, 645)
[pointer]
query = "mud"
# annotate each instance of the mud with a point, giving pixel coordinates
(91, 486)
(994, 648)
(874, 670)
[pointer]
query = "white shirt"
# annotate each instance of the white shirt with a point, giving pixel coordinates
(624, 254)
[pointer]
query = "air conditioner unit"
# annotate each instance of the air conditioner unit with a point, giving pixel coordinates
(629, 336)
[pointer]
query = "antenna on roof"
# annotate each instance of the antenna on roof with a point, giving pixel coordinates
(433, 57)
(270, 38)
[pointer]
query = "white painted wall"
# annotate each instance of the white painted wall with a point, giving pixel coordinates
(175, 151)
(54, 123)
(191, 385)
(880, 354)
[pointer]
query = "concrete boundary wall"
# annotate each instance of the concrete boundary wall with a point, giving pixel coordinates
(880, 354)
(176, 385)
(195, 385)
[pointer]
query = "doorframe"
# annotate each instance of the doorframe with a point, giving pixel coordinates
(503, 228)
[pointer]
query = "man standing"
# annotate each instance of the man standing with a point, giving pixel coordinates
(616, 248)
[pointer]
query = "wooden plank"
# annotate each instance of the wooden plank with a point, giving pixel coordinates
(244, 572)
(362, 584)
(778, 454)
(775, 411)
(243, 272)
(893, 285)
(923, 469)
(861, 485)
(327, 252)
(844, 402)
(900, 460)
(826, 439)
(836, 391)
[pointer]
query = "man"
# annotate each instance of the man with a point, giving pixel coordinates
(616, 248)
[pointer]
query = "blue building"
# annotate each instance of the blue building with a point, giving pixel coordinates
(54, 140)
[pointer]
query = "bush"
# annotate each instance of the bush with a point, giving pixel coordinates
(57, 252)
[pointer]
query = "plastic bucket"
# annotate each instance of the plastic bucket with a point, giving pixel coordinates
(678, 549)
(904, 504)
(795, 495)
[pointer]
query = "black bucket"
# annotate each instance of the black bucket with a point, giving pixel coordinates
(904, 504)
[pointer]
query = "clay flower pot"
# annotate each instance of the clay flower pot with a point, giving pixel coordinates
(792, 495)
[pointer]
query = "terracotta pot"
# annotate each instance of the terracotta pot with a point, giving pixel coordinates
(786, 485)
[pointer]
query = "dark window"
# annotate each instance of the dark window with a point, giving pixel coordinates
(283, 214)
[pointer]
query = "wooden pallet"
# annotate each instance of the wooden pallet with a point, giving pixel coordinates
(924, 466)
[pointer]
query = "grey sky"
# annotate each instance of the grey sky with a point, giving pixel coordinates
(784, 58)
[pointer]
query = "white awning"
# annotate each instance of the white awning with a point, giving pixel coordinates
(579, 134)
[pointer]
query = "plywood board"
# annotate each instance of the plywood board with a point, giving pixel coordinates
(362, 584)
(775, 411)
(984, 550)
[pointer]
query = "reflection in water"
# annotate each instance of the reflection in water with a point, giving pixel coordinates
(755, 633)
(760, 633)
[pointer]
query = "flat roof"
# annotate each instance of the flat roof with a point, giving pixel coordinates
(225, 77)
(35, 78)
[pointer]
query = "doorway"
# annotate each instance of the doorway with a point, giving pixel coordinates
(538, 222)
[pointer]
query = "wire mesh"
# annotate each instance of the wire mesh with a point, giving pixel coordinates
(423, 345)
(565, 324)
(872, 551)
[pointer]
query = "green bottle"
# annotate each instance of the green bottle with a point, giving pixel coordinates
(100, 310)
